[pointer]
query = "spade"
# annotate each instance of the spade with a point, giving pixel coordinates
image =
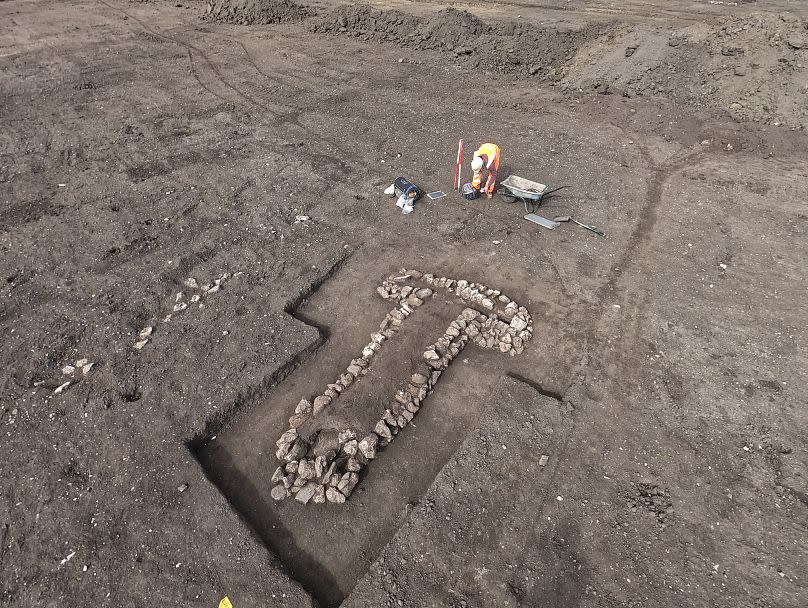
(567, 218)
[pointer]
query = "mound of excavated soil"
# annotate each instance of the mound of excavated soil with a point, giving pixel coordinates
(251, 12)
(752, 66)
(506, 48)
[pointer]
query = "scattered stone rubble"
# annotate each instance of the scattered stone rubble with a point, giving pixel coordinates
(329, 470)
(72, 372)
(183, 300)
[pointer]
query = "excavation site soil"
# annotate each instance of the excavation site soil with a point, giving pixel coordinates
(234, 373)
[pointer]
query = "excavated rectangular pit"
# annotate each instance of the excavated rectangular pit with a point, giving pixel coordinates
(327, 548)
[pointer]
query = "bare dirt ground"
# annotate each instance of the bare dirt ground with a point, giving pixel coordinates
(147, 143)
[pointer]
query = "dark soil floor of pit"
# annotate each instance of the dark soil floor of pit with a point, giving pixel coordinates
(143, 146)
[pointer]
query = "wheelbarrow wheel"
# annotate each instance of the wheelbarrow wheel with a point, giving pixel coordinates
(508, 198)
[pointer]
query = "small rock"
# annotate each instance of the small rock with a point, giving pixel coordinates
(382, 430)
(68, 369)
(347, 483)
(278, 475)
(145, 332)
(543, 460)
(304, 406)
(797, 41)
(518, 323)
(368, 446)
(61, 387)
(351, 447)
(419, 379)
(85, 369)
(431, 355)
(319, 495)
(423, 293)
(191, 282)
(335, 496)
(320, 403)
(181, 488)
(180, 306)
(346, 436)
(279, 492)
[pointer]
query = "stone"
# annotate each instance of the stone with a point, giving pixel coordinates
(797, 41)
(423, 293)
(504, 299)
(278, 475)
(368, 352)
(68, 369)
(85, 369)
(351, 447)
(299, 420)
(289, 481)
(389, 418)
(191, 282)
(287, 438)
(331, 393)
(378, 338)
(180, 306)
(414, 301)
(346, 380)
(407, 415)
(383, 292)
(353, 465)
(306, 493)
(306, 469)
(346, 435)
(319, 495)
(487, 303)
(297, 451)
(335, 496)
(431, 355)
(320, 465)
(304, 406)
(543, 459)
(419, 379)
(518, 323)
(320, 403)
(382, 431)
(354, 369)
(146, 332)
(279, 492)
(412, 407)
(503, 347)
(140, 344)
(291, 467)
(369, 445)
(347, 483)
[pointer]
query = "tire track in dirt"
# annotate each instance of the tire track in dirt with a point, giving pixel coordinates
(641, 234)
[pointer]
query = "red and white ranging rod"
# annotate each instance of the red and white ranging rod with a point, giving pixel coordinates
(458, 165)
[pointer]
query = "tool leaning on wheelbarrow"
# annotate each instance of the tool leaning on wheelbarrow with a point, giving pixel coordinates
(532, 194)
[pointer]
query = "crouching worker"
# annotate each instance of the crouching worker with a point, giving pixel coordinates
(486, 160)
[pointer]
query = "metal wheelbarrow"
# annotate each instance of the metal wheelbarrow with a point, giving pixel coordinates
(532, 194)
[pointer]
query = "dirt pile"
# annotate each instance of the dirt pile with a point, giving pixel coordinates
(752, 66)
(255, 12)
(507, 48)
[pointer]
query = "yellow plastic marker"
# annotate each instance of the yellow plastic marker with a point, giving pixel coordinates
(225, 603)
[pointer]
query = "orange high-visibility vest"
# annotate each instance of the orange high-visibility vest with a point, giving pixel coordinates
(491, 153)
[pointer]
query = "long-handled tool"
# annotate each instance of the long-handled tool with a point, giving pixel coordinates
(458, 166)
(567, 218)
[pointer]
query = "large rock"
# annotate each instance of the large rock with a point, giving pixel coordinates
(306, 493)
(369, 445)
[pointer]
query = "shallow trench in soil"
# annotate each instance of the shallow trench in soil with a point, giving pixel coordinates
(328, 548)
